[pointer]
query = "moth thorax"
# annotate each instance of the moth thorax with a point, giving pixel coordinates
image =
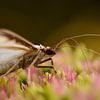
(47, 50)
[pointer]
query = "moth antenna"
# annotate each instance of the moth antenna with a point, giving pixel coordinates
(91, 50)
(81, 50)
(76, 36)
(76, 42)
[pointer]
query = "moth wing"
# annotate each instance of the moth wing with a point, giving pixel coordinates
(9, 47)
(10, 36)
(13, 45)
(8, 58)
(7, 55)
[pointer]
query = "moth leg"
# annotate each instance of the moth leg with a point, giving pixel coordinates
(46, 61)
(44, 67)
(47, 66)
(33, 63)
(36, 64)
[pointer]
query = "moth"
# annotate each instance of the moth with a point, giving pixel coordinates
(17, 52)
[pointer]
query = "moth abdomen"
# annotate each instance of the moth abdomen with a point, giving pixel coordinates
(5, 67)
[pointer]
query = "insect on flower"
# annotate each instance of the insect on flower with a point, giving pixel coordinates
(17, 52)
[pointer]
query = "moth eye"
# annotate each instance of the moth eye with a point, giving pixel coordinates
(50, 52)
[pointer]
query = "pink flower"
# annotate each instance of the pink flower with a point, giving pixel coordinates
(40, 79)
(88, 65)
(50, 78)
(3, 94)
(58, 86)
(31, 74)
(70, 75)
(96, 65)
(82, 95)
(12, 82)
(96, 80)
(33, 71)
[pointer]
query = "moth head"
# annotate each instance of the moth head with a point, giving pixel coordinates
(49, 51)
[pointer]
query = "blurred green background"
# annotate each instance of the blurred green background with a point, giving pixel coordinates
(49, 21)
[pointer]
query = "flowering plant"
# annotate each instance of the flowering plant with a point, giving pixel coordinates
(77, 77)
